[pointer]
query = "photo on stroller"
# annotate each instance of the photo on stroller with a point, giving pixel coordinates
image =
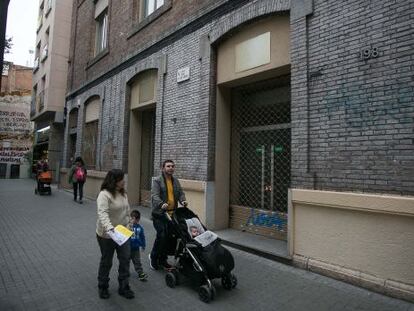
(199, 256)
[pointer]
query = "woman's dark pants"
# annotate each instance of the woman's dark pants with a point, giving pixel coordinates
(108, 247)
(76, 186)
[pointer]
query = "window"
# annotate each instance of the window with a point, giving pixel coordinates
(90, 132)
(101, 33)
(101, 21)
(149, 6)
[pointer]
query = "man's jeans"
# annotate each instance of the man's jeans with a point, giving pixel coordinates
(108, 247)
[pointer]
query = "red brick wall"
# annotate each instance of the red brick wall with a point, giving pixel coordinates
(121, 44)
(19, 78)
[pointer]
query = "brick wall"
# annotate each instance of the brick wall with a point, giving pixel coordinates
(360, 111)
(352, 119)
(124, 41)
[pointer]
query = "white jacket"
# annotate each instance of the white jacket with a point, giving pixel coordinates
(112, 211)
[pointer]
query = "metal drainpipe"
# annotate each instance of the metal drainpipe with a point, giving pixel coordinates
(162, 116)
(308, 157)
(74, 45)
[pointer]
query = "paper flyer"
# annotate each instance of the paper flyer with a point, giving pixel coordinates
(120, 234)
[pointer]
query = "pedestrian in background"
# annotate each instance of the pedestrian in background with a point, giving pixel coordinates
(77, 177)
(137, 243)
(113, 209)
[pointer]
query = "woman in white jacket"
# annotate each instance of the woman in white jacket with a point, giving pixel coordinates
(113, 210)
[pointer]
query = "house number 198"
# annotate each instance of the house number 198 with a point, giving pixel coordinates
(368, 53)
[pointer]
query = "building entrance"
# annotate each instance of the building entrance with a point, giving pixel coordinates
(260, 157)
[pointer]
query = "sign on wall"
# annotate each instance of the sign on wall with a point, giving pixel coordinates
(15, 129)
(183, 74)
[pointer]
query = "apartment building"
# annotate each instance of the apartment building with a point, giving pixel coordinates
(49, 80)
(291, 120)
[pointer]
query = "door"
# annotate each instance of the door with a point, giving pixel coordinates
(147, 155)
(260, 157)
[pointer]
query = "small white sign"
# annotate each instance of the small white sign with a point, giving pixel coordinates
(183, 74)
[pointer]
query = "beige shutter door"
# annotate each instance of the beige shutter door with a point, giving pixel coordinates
(92, 110)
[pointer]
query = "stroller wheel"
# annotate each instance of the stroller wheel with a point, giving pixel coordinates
(229, 281)
(205, 293)
(213, 292)
(170, 279)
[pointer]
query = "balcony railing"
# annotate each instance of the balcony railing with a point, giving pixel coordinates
(45, 52)
(40, 101)
(48, 6)
(39, 21)
(36, 64)
(33, 106)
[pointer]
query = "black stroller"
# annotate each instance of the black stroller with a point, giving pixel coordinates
(200, 259)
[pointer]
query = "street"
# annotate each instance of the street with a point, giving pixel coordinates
(49, 260)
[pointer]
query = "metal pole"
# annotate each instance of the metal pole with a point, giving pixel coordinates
(272, 174)
(263, 177)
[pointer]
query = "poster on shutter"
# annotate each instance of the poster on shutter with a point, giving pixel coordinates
(15, 129)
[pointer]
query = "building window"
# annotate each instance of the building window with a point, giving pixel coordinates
(101, 41)
(101, 22)
(149, 6)
(90, 132)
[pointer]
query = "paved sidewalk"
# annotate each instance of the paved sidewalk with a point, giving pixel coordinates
(49, 259)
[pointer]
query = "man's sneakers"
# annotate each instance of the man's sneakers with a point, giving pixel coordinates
(126, 292)
(103, 293)
(152, 263)
(155, 265)
(166, 265)
(142, 276)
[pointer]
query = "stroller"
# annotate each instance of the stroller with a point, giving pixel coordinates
(201, 259)
(44, 179)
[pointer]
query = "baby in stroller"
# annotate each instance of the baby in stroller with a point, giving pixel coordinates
(199, 256)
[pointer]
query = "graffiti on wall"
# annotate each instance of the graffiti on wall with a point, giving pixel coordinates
(266, 219)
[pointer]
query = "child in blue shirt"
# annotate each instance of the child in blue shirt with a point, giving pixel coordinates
(137, 241)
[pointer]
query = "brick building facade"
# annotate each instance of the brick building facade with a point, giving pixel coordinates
(170, 83)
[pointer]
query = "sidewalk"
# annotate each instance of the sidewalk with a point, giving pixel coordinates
(49, 259)
(259, 245)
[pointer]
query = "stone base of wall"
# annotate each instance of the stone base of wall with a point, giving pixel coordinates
(383, 286)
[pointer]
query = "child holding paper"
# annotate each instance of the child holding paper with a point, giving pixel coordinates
(137, 242)
(113, 210)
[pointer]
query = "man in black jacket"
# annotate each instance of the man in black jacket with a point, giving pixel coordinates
(166, 192)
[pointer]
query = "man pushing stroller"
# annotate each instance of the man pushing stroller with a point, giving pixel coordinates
(166, 192)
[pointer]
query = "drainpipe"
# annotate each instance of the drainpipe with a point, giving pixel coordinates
(164, 74)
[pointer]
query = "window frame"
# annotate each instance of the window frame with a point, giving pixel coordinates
(139, 21)
(144, 7)
(101, 32)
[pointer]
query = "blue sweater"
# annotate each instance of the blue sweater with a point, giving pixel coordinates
(138, 237)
